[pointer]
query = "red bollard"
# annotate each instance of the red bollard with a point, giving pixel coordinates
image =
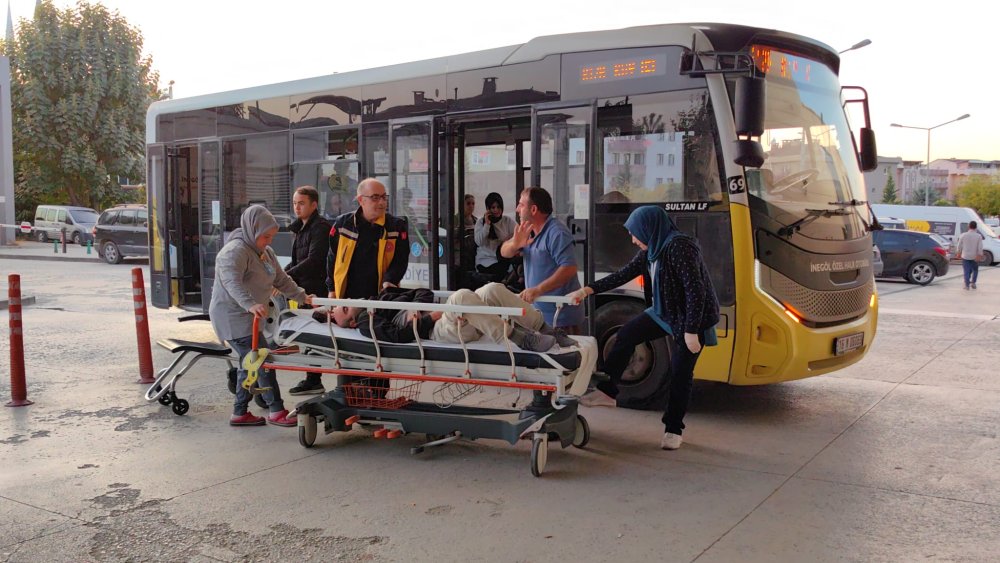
(142, 328)
(18, 388)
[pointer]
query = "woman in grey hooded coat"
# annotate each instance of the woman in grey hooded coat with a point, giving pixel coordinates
(246, 273)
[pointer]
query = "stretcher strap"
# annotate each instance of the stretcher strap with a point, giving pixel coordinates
(378, 351)
(459, 321)
(420, 345)
(555, 317)
(333, 337)
(507, 329)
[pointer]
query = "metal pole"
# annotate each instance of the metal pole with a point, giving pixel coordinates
(142, 328)
(18, 388)
(927, 169)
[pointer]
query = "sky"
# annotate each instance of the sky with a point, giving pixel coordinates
(927, 63)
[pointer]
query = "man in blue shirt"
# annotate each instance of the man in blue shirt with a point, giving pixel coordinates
(549, 262)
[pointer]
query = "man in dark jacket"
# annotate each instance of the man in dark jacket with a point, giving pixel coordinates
(311, 230)
(309, 250)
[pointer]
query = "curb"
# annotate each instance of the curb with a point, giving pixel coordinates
(5, 303)
(52, 258)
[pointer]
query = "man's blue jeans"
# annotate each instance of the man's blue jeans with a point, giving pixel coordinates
(970, 271)
(265, 378)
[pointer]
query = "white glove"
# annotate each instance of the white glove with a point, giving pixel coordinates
(692, 342)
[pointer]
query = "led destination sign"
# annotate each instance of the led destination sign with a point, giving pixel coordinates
(623, 69)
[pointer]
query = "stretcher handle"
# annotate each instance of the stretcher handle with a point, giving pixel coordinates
(256, 329)
(426, 307)
(443, 294)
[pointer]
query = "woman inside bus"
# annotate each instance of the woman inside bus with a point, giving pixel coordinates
(684, 306)
(246, 272)
(491, 231)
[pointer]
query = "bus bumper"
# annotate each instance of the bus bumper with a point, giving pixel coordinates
(784, 350)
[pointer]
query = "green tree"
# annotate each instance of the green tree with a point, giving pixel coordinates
(889, 194)
(80, 87)
(981, 193)
(920, 195)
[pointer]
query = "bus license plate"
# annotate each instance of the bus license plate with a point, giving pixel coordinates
(848, 343)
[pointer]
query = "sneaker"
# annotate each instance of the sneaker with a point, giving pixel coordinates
(966, 288)
(671, 441)
(532, 341)
(598, 398)
(306, 387)
(562, 339)
(973, 286)
(246, 419)
(281, 418)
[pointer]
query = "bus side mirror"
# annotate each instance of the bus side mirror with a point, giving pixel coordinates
(749, 117)
(869, 153)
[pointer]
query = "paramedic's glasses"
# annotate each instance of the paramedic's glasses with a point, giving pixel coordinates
(377, 197)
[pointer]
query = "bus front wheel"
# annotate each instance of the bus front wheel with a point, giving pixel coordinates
(644, 381)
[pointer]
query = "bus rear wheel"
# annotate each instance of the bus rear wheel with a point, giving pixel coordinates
(644, 382)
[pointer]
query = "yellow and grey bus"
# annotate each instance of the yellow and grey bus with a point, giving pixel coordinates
(740, 133)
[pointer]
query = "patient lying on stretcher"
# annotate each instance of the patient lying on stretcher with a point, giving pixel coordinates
(528, 332)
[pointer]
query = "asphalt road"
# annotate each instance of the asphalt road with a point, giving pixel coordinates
(893, 459)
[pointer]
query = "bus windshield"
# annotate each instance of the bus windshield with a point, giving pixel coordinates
(811, 170)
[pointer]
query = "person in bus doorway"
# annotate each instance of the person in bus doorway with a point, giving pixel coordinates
(970, 249)
(309, 248)
(246, 272)
(492, 231)
(549, 262)
(685, 308)
(368, 252)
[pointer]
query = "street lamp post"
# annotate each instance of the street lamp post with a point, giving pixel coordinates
(927, 165)
(858, 45)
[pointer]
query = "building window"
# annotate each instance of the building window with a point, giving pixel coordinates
(579, 157)
(670, 160)
(637, 158)
(628, 158)
(614, 158)
(659, 159)
(659, 181)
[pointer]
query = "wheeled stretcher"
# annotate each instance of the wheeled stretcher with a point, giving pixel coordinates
(386, 385)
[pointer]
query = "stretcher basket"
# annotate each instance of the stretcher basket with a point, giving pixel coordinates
(379, 393)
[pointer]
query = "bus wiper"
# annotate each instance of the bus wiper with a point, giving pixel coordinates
(811, 215)
(874, 225)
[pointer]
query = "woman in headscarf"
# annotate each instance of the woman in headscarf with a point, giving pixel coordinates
(492, 231)
(246, 272)
(684, 308)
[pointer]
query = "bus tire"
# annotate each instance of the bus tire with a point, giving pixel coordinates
(644, 383)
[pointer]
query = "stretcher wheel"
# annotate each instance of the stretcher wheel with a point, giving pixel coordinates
(581, 434)
(307, 430)
(539, 455)
(165, 399)
(180, 406)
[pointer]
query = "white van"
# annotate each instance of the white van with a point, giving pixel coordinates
(78, 222)
(949, 222)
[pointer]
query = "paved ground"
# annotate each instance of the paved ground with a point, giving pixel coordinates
(894, 459)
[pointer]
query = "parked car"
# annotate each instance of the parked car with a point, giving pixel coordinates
(948, 222)
(122, 231)
(877, 265)
(916, 257)
(51, 220)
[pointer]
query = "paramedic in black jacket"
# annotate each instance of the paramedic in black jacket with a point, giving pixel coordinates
(684, 306)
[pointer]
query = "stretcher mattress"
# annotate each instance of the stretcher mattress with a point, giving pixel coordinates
(303, 330)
